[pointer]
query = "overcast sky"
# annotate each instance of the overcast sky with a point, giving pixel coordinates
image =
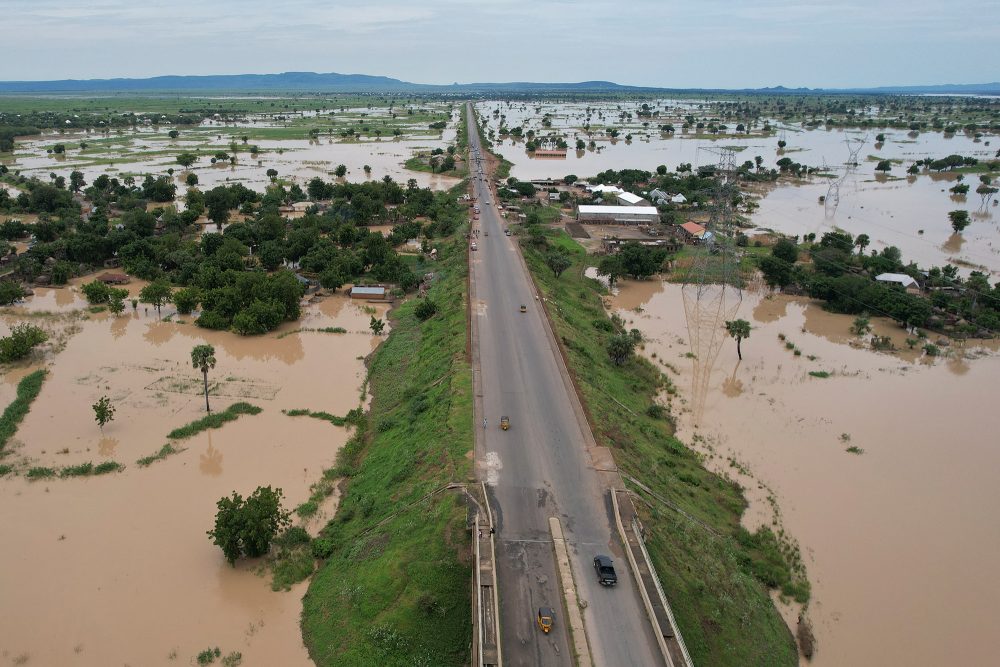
(669, 43)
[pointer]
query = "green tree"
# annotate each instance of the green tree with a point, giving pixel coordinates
(340, 171)
(959, 220)
(191, 179)
(173, 134)
(620, 348)
(885, 166)
(104, 412)
(247, 527)
(156, 294)
(272, 174)
(95, 292)
(186, 159)
(186, 299)
(558, 262)
(116, 304)
(786, 250)
(862, 241)
(377, 326)
(203, 358)
(76, 181)
(22, 339)
(612, 267)
(738, 329)
(10, 292)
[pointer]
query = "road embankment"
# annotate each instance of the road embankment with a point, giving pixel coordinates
(722, 609)
(394, 585)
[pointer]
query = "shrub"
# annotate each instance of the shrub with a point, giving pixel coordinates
(22, 339)
(10, 292)
(247, 527)
(425, 309)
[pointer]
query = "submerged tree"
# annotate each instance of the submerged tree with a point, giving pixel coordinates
(203, 358)
(247, 527)
(104, 412)
(738, 329)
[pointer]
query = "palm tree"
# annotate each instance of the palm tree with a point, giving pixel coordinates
(738, 329)
(203, 357)
(862, 242)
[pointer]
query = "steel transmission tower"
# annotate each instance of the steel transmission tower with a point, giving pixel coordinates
(713, 291)
(854, 147)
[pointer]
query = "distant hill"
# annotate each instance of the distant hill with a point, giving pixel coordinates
(363, 83)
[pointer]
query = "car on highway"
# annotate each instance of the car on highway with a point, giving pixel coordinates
(524, 308)
(605, 569)
(507, 232)
(474, 246)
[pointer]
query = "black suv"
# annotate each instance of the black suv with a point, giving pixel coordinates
(605, 571)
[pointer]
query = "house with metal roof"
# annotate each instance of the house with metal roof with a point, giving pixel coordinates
(622, 215)
(370, 292)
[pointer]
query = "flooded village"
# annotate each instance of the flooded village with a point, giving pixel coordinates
(860, 440)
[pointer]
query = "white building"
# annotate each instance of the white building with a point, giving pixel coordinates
(906, 282)
(622, 215)
(629, 199)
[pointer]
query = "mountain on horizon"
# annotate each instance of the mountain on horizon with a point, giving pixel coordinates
(365, 83)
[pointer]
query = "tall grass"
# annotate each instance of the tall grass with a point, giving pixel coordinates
(27, 391)
(216, 420)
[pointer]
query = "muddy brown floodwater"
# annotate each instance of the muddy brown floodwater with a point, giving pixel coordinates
(118, 569)
(899, 541)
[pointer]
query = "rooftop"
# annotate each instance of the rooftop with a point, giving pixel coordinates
(618, 210)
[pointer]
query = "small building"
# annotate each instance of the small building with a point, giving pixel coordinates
(114, 278)
(621, 215)
(629, 199)
(907, 282)
(678, 199)
(691, 231)
(550, 152)
(553, 196)
(658, 196)
(601, 189)
(370, 292)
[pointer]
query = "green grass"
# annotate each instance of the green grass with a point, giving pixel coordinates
(87, 469)
(40, 472)
(714, 583)
(394, 587)
(325, 416)
(216, 420)
(165, 451)
(820, 374)
(27, 391)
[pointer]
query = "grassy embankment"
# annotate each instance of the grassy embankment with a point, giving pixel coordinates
(27, 391)
(393, 588)
(711, 569)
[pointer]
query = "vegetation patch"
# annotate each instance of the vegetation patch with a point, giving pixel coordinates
(714, 575)
(819, 374)
(165, 451)
(216, 420)
(27, 391)
(353, 417)
(393, 585)
(87, 469)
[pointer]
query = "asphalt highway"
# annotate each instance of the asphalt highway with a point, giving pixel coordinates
(541, 468)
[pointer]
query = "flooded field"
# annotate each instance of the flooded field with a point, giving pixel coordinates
(278, 143)
(898, 535)
(117, 569)
(909, 212)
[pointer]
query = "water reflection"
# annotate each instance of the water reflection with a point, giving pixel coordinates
(107, 446)
(210, 462)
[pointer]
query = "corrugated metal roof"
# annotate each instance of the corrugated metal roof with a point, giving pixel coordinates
(693, 228)
(629, 198)
(368, 290)
(901, 278)
(618, 210)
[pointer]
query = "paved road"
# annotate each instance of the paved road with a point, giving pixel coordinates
(541, 468)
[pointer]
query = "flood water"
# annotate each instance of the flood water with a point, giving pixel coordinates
(150, 151)
(117, 569)
(899, 541)
(910, 213)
